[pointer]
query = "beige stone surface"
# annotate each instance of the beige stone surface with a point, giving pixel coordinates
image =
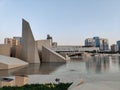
(7, 82)
(29, 49)
(5, 49)
(49, 55)
(40, 43)
(21, 80)
(18, 51)
(91, 86)
(9, 62)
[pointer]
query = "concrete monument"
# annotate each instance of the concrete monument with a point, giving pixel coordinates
(29, 49)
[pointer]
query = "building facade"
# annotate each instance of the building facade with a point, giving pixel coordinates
(118, 43)
(11, 41)
(104, 45)
(90, 42)
(114, 47)
(19, 39)
(97, 41)
(101, 43)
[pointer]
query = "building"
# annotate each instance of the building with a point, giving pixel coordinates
(90, 42)
(104, 45)
(30, 50)
(118, 43)
(97, 41)
(74, 49)
(19, 39)
(54, 44)
(114, 47)
(11, 41)
(37, 51)
(68, 50)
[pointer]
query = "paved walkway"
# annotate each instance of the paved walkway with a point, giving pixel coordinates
(97, 82)
(98, 86)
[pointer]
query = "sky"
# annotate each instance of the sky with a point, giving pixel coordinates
(69, 22)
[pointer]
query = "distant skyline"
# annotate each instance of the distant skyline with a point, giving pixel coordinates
(69, 22)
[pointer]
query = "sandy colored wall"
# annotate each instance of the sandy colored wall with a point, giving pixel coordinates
(3, 66)
(5, 49)
(29, 49)
(51, 56)
(18, 53)
(40, 43)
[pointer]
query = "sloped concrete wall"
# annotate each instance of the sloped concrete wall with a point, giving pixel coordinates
(29, 50)
(50, 56)
(9, 62)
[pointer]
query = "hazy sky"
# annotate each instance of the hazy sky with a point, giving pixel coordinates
(69, 22)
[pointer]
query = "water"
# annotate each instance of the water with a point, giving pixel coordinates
(92, 65)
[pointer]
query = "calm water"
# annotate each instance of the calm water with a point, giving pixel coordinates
(93, 65)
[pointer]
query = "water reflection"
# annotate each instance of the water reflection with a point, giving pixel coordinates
(44, 68)
(106, 64)
(103, 64)
(97, 64)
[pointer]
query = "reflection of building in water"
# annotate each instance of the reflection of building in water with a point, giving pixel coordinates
(119, 60)
(115, 63)
(97, 64)
(44, 68)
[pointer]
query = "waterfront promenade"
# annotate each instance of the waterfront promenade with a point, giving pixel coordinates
(109, 81)
(96, 73)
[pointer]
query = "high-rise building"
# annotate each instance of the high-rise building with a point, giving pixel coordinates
(97, 41)
(118, 43)
(114, 47)
(19, 40)
(104, 45)
(11, 41)
(90, 42)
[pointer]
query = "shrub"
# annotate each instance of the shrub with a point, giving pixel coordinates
(49, 86)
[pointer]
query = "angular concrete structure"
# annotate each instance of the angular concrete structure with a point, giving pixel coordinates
(9, 62)
(6, 82)
(49, 55)
(29, 50)
(21, 80)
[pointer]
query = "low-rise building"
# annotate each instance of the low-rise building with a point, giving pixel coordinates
(11, 41)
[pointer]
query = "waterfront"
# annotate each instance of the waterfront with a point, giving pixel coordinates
(91, 65)
(103, 72)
